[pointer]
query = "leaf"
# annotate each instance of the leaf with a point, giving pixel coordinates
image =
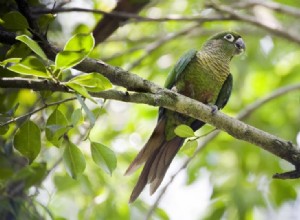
(31, 175)
(81, 90)
(33, 45)
(68, 59)
(75, 50)
(18, 50)
(45, 19)
(80, 42)
(64, 182)
(190, 147)
(10, 61)
(3, 129)
(30, 66)
(184, 131)
(93, 82)
(76, 116)
(89, 114)
(104, 157)
(14, 20)
(281, 192)
(56, 126)
(27, 140)
(216, 211)
(40, 170)
(74, 160)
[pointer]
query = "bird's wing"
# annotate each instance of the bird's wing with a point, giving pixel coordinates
(179, 67)
(176, 71)
(225, 92)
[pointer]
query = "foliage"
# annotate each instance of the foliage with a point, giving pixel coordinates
(96, 139)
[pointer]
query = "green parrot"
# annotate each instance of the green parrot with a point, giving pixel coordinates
(202, 75)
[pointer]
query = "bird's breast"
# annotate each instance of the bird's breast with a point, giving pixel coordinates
(203, 79)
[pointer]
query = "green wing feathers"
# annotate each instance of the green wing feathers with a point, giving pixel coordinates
(179, 67)
(225, 92)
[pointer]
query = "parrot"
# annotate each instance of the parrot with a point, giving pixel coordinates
(203, 75)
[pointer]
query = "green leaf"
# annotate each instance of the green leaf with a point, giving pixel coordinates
(89, 114)
(40, 170)
(282, 191)
(74, 160)
(75, 50)
(34, 46)
(81, 90)
(27, 140)
(30, 66)
(68, 59)
(190, 147)
(56, 126)
(3, 129)
(31, 175)
(14, 20)
(18, 50)
(10, 61)
(64, 182)
(184, 131)
(103, 157)
(76, 116)
(93, 82)
(216, 211)
(45, 19)
(80, 42)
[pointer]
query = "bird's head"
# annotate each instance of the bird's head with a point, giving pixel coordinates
(228, 43)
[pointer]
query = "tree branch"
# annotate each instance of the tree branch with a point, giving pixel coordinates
(185, 105)
(108, 24)
(153, 46)
(252, 20)
(135, 17)
(7, 37)
(275, 6)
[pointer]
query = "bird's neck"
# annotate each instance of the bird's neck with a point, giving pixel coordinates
(216, 63)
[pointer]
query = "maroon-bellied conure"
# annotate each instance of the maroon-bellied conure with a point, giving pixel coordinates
(202, 75)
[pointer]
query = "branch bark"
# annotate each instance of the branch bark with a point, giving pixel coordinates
(109, 24)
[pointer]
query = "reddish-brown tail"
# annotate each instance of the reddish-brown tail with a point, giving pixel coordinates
(158, 155)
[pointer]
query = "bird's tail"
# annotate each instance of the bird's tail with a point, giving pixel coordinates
(158, 155)
(155, 141)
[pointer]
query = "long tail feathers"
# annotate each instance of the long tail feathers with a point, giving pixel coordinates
(155, 141)
(156, 166)
(157, 154)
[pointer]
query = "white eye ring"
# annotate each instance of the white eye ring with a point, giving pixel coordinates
(229, 37)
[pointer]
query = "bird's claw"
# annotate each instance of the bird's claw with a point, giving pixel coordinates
(214, 108)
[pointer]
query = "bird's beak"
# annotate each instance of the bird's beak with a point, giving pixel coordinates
(240, 45)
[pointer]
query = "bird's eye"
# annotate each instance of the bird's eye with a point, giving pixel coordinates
(229, 37)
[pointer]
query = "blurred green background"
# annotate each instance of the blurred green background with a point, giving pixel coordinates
(228, 179)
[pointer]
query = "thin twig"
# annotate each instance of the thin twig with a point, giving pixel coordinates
(155, 45)
(279, 92)
(253, 20)
(134, 17)
(275, 6)
(36, 110)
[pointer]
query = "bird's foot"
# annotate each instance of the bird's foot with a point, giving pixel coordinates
(214, 108)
